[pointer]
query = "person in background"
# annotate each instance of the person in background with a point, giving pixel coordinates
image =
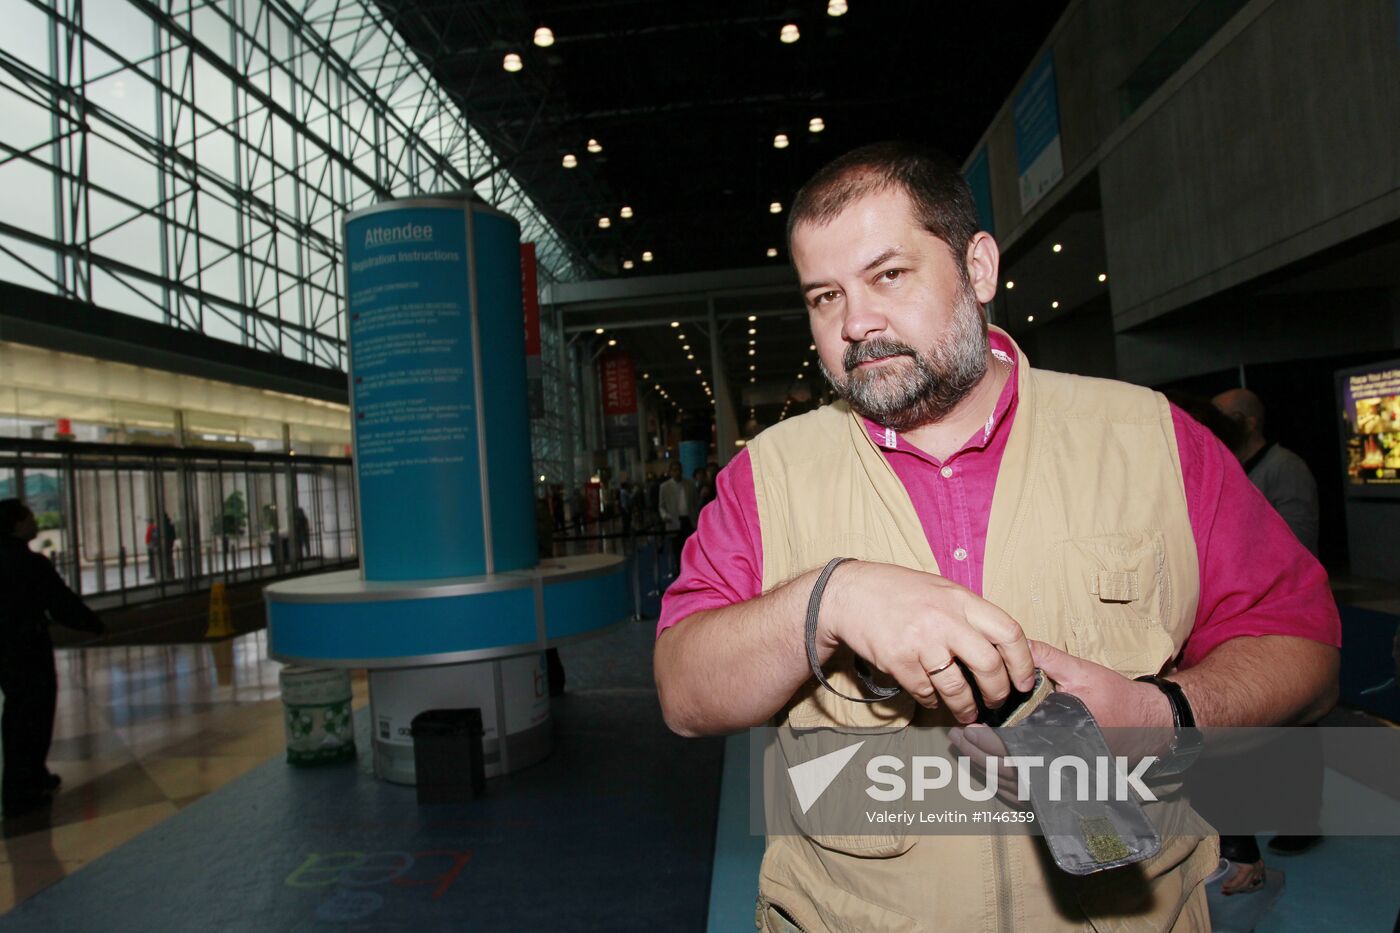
(32, 595)
(302, 524)
(704, 492)
(676, 504)
(1288, 484)
(1277, 472)
(152, 548)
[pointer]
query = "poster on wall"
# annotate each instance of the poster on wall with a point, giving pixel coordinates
(1039, 160)
(1370, 409)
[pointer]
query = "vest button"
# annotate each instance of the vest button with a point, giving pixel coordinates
(946, 472)
(960, 554)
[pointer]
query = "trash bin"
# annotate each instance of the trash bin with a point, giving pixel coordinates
(319, 724)
(448, 762)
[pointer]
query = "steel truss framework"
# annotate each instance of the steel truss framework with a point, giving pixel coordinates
(190, 162)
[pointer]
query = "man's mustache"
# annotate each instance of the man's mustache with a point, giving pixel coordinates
(874, 349)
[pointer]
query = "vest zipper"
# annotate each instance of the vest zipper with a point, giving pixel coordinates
(1003, 918)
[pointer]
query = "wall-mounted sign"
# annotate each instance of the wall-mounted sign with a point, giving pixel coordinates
(1039, 162)
(1370, 408)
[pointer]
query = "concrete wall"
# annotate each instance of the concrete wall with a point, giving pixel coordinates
(1284, 142)
(1278, 138)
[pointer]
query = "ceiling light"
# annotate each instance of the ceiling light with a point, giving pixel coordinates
(816, 125)
(594, 146)
(775, 208)
(1054, 304)
(627, 263)
(1029, 318)
(612, 343)
(697, 372)
(806, 362)
(686, 348)
(753, 366)
(657, 387)
(570, 160)
(752, 318)
(690, 356)
(1103, 276)
(1010, 284)
(544, 36)
(789, 34)
(753, 343)
(752, 331)
(753, 379)
(646, 375)
(598, 331)
(604, 223)
(812, 347)
(752, 351)
(646, 256)
(1056, 248)
(673, 323)
(625, 213)
(836, 8)
(780, 141)
(512, 62)
(679, 336)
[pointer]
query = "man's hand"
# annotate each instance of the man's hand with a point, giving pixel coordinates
(1114, 700)
(908, 623)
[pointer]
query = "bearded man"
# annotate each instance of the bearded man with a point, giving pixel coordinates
(984, 503)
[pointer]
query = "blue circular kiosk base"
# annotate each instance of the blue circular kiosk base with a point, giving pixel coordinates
(449, 643)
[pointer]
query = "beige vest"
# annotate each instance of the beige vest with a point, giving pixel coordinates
(1089, 547)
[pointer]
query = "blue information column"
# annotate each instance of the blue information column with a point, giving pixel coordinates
(451, 607)
(437, 371)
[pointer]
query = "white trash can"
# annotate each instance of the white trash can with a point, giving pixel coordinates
(319, 723)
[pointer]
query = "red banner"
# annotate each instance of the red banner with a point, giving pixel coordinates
(619, 385)
(619, 400)
(530, 298)
(530, 293)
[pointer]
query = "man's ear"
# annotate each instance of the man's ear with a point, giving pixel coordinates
(983, 264)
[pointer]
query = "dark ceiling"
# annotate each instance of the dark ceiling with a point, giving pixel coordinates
(686, 98)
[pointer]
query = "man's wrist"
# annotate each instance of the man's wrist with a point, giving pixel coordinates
(1155, 708)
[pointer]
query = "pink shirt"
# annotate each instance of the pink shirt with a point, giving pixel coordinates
(1233, 524)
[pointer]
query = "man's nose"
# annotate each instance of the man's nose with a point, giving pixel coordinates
(863, 319)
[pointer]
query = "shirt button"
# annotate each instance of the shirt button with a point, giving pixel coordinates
(960, 554)
(946, 472)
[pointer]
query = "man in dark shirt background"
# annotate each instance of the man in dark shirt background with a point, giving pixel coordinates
(32, 596)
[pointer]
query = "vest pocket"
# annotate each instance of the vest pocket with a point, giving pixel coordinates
(1106, 597)
(797, 746)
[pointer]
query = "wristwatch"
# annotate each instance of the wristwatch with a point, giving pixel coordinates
(1187, 743)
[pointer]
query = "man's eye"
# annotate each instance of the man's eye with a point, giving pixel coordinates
(889, 275)
(824, 297)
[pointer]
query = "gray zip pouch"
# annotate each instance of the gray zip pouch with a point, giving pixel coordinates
(1085, 836)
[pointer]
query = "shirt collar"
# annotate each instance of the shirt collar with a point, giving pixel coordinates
(1005, 352)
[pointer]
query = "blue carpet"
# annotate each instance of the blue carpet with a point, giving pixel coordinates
(1368, 679)
(614, 831)
(734, 881)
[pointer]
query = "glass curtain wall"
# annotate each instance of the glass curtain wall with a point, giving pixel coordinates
(190, 163)
(133, 523)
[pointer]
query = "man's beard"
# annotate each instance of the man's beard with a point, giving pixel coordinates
(904, 397)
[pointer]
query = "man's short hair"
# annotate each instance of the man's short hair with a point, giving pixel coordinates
(12, 512)
(941, 200)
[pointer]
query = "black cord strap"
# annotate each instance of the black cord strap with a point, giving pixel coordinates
(862, 669)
